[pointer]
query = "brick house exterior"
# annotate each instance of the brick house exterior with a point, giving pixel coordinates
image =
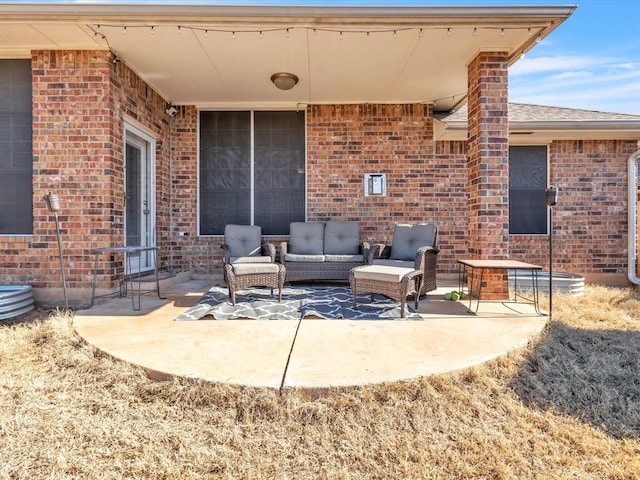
(82, 98)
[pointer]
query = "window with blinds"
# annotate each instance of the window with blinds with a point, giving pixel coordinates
(527, 185)
(16, 154)
(252, 170)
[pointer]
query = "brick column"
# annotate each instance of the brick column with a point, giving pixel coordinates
(488, 165)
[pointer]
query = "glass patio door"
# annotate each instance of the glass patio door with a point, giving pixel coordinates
(139, 196)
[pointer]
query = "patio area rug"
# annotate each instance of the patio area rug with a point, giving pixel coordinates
(297, 302)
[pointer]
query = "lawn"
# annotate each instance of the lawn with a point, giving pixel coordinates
(567, 406)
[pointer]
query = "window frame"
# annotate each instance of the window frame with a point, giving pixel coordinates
(28, 197)
(252, 112)
(546, 147)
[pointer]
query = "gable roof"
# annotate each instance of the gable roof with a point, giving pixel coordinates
(542, 124)
(212, 55)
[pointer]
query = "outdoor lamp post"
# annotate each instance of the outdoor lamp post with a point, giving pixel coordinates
(551, 196)
(53, 204)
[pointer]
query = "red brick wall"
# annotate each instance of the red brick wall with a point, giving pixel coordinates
(590, 219)
(343, 143)
(346, 141)
(79, 99)
(488, 166)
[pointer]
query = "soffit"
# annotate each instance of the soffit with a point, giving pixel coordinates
(384, 54)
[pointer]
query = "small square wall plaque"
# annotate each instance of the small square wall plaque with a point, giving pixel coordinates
(375, 184)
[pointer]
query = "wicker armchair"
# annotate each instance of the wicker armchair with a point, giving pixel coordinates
(243, 244)
(413, 246)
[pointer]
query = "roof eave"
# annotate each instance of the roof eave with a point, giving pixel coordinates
(198, 13)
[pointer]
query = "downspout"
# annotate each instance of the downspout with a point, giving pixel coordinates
(634, 186)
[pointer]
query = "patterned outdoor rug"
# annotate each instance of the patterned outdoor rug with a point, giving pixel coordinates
(297, 303)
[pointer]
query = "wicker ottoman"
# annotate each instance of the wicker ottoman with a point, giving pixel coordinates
(246, 275)
(394, 282)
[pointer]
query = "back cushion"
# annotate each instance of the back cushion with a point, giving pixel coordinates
(342, 238)
(243, 240)
(306, 238)
(408, 238)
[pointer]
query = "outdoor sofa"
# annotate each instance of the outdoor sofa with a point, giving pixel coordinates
(323, 250)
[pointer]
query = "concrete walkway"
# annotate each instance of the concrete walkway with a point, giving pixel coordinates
(309, 353)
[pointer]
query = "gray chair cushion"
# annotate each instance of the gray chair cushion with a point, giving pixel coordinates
(254, 268)
(408, 238)
(394, 263)
(306, 238)
(243, 240)
(341, 238)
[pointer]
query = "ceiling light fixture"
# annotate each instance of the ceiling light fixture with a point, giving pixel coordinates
(284, 80)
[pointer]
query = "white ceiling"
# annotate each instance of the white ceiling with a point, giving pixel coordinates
(202, 64)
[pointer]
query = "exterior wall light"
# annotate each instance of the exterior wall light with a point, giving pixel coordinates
(284, 80)
(375, 184)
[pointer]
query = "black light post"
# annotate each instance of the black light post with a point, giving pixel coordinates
(551, 195)
(53, 204)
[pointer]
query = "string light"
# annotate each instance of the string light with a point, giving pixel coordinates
(287, 30)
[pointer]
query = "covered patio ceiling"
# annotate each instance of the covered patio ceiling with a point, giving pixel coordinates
(224, 56)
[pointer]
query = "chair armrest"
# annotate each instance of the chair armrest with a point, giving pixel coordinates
(365, 248)
(226, 254)
(283, 251)
(269, 249)
(378, 250)
(422, 259)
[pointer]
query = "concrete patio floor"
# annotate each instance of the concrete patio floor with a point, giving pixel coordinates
(308, 353)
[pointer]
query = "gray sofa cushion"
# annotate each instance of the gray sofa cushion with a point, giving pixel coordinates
(243, 240)
(306, 238)
(408, 238)
(341, 238)
(344, 258)
(295, 257)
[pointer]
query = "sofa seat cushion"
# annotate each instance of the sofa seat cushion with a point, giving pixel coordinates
(407, 239)
(394, 263)
(344, 258)
(382, 273)
(342, 238)
(294, 257)
(250, 259)
(306, 238)
(254, 268)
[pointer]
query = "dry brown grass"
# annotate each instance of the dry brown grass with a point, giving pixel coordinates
(568, 406)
